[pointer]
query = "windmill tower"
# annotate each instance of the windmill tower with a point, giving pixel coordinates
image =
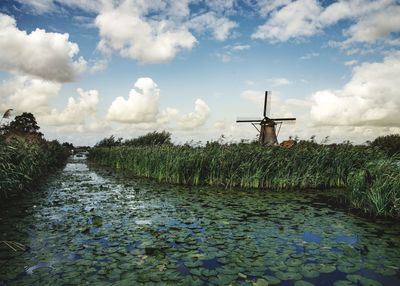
(268, 135)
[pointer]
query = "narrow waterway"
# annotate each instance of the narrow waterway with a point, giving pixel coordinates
(88, 226)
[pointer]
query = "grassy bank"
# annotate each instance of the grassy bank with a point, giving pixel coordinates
(24, 163)
(369, 176)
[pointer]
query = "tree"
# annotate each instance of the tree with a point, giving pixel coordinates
(389, 143)
(109, 142)
(151, 139)
(24, 124)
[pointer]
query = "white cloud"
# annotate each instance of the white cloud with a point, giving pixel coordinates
(369, 20)
(53, 6)
(140, 107)
(24, 94)
(49, 56)
(279, 81)
(370, 98)
(255, 96)
(39, 6)
(197, 118)
(76, 112)
(221, 6)
(240, 47)
(229, 53)
(220, 26)
(309, 56)
(376, 26)
(267, 6)
(125, 29)
(296, 19)
(98, 65)
(351, 63)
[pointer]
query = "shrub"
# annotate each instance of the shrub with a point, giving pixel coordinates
(388, 143)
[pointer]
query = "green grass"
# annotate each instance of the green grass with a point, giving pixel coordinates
(23, 163)
(370, 177)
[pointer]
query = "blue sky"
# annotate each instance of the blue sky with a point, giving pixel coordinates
(89, 69)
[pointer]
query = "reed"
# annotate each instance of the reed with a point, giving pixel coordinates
(23, 163)
(305, 166)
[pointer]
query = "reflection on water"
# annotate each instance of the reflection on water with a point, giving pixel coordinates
(91, 226)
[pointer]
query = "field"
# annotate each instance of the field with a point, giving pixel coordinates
(369, 177)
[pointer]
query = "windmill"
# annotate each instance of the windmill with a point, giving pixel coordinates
(267, 125)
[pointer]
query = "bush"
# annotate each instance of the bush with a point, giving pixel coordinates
(390, 143)
(151, 139)
(109, 142)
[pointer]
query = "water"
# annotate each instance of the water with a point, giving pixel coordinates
(88, 226)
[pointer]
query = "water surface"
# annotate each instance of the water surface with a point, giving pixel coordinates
(88, 226)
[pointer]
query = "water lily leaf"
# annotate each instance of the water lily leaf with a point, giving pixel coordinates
(288, 275)
(309, 273)
(303, 283)
(260, 282)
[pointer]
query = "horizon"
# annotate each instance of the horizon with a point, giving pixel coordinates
(91, 69)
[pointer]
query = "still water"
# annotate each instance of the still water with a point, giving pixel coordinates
(90, 227)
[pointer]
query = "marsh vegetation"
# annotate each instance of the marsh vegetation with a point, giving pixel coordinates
(368, 175)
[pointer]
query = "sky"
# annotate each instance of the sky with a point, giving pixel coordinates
(91, 69)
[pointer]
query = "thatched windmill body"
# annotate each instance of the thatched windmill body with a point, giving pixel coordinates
(267, 130)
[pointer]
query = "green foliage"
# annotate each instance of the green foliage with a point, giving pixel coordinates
(109, 142)
(68, 145)
(389, 143)
(154, 138)
(24, 124)
(22, 164)
(151, 139)
(375, 187)
(305, 166)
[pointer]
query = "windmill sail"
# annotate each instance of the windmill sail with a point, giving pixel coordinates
(267, 129)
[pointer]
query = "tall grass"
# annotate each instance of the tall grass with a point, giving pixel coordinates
(23, 163)
(375, 187)
(252, 166)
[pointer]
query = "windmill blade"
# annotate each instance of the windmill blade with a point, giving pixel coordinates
(265, 104)
(247, 119)
(269, 99)
(284, 119)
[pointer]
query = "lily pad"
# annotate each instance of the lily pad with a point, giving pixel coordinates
(303, 283)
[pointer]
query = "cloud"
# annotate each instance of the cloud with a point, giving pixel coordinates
(369, 21)
(373, 27)
(40, 7)
(351, 63)
(370, 98)
(140, 107)
(221, 6)
(296, 19)
(25, 94)
(255, 96)
(77, 110)
(229, 53)
(309, 56)
(220, 26)
(197, 118)
(239, 47)
(279, 81)
(125, 28)
(49, 56)
(267, 6)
